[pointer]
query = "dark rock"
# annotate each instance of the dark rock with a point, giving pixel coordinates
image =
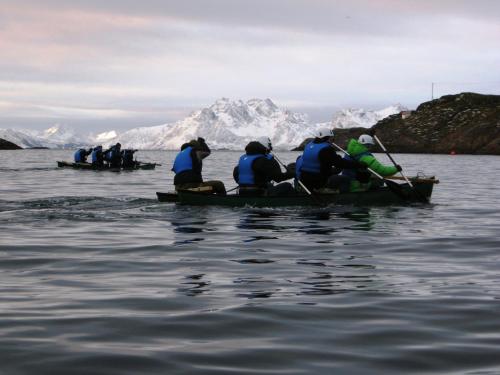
(6, 145)
(466, 123)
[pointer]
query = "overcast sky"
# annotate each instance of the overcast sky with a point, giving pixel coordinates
(115, 64)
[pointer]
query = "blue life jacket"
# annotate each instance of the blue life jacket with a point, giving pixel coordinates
(94, 154)
(183, 161)
(298, 167)
(310, 157)
(78, 156)
(107, 156)
(246, 175)
(350, 172)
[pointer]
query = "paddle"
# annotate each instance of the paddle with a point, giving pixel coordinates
(393, 186)
(313, 196)
(417, 193)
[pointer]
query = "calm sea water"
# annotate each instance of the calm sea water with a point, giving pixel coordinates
(97, 277)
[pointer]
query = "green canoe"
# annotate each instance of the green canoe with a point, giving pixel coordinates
(139, 165)
(382, 196)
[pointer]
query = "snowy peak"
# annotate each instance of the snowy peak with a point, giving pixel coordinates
(57, 136)
(232, 124)
(350, 118)
(391, 110)
(226, 124)
(63, 135)
(23, 138)
(105, 137)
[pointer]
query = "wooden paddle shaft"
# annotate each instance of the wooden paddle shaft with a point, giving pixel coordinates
(390, 157)
(369, 169)
(300, 182)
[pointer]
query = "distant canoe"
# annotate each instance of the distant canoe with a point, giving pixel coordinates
(89, 166)
(382, 196)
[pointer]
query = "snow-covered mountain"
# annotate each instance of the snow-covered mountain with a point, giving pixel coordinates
(104, 137)
(351, 118)
(21, 138)
(57, 136)
(232, 124)
(64, 136)
(225, 125)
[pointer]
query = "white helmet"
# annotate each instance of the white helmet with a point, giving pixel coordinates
(366, 139)
(266, 142)
(323, 132)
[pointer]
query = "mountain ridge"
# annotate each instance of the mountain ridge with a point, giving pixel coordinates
(226, 124)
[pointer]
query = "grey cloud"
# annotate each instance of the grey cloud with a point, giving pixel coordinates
(187, 53)
(330, 16)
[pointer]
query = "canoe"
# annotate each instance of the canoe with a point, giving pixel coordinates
(139, 165)
(381, 196)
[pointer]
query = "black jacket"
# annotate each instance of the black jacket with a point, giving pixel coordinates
(265, 170)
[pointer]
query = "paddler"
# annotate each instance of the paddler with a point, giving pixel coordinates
(360, 151)
(81, 155)
(128, 158)
(188, 166)
(319, 166)
(257, 169)
(97, 157)
(113, 156)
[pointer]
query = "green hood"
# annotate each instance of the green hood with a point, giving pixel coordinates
(355, 148)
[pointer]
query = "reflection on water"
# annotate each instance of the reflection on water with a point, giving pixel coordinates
(105, 281)
(185, 223)
(195, 285)
(309, 221)
(253, 219)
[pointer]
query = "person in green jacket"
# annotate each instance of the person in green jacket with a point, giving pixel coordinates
(359, 150)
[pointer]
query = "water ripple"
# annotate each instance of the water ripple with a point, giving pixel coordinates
(100, 278)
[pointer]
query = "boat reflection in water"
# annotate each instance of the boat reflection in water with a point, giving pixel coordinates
(194, 285)
(185, 224)
(319, 266)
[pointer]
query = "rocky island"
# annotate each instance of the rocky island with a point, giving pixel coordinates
(466, 123)
(6, 145)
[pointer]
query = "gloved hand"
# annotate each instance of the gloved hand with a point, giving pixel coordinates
(201, 140)
(398, 167)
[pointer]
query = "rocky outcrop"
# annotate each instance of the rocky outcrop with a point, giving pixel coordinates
(466, 123)
(6, 145)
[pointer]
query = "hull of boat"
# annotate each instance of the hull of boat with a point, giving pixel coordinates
(382, 196)
(65, 164)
